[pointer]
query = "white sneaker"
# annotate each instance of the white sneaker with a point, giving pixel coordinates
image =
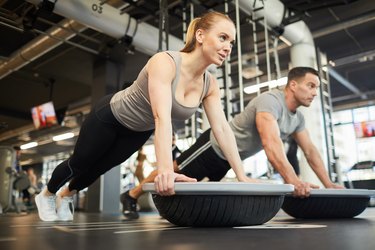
(65, 208)
(46, 207)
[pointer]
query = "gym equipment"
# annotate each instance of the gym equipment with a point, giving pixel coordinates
(7, 160)
(21, 182)
(361, 175)
(11, 182)
(328, 203)
(220, 204)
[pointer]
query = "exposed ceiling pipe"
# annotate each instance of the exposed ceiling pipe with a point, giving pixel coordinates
(110, 21)
(327, 31)
(346, 83)
(352, 96)
(302, 49)
(361, 57)
(40, 46)
(345, 25)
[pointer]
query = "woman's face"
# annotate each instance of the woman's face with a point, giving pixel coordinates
(217, 42)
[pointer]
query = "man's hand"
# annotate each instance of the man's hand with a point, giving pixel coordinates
(302, 189)
(164, 182)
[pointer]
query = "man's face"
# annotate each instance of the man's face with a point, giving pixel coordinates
(306, 88)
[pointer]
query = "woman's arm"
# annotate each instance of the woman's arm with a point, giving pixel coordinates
(222, 131)
(161, 71)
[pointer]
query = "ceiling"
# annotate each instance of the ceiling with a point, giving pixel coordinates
(64, 73)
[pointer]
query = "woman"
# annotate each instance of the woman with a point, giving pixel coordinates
(170, 86)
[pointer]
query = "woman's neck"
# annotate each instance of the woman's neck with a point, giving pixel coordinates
(194, 63)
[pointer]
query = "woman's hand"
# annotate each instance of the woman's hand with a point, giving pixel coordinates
(164, 182)
(335, 186)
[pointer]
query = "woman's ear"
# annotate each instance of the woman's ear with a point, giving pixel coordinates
(199, 35)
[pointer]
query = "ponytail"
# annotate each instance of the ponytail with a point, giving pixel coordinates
(190, 35)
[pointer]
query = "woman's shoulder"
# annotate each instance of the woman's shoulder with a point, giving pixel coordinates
(161, 63)
(167, 54)
(163, 57)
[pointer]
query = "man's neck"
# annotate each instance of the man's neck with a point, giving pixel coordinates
(290, 101)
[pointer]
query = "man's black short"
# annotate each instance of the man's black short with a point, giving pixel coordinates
(201, 160)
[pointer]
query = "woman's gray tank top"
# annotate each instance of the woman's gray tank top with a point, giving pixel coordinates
(132, 107)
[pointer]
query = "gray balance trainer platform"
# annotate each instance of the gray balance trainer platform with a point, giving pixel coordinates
(215, 204)
(328, 203)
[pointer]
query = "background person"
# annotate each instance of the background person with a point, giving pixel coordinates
(129, 204)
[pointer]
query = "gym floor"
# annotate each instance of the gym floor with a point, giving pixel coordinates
(97, 231)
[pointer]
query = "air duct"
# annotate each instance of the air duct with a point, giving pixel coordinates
(110, 21)
(302, 51)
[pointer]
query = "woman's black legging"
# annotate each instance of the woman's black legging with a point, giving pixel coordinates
(103, 143)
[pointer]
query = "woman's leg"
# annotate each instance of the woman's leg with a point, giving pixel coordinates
(124, 146)
(97, 135)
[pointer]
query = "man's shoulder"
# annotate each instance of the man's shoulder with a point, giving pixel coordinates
(300, 114)
(270, 96)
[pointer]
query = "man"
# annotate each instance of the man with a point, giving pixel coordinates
(265, 123)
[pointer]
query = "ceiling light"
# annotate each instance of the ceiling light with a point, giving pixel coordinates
(29, 145)
(63, 136)
(271, 84)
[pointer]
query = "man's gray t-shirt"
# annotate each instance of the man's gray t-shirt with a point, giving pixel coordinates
(244, 127)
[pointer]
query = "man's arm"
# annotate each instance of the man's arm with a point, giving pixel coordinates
(273, 146)
(313, 158)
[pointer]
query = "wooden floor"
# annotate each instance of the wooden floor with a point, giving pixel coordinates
(96, 231)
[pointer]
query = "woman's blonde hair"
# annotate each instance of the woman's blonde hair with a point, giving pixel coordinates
(205, 22)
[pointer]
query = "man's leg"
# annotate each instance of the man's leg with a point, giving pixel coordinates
(192, 168)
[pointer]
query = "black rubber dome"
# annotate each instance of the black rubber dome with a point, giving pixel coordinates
(214, 204)
(217, 210)
(328, 203)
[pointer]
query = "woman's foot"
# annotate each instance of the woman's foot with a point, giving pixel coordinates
(46, 205)
(65, 208)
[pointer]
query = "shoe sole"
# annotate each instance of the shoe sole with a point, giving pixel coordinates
(131, 216)
(39, 213)
(65, 219)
